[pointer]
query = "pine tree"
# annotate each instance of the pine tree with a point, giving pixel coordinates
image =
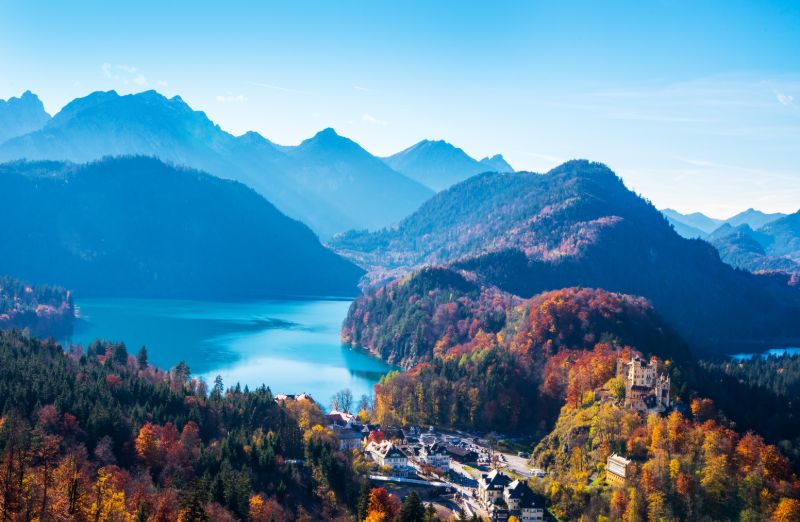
(413, 510)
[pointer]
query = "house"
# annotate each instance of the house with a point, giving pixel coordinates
(646, 386)
(285, 397)
(617, 470)
(463, 455)
(435, 455)
(504, 498)
(491, 486)
(349, 439)
(523, 503)
(385, 453)
(340, 418)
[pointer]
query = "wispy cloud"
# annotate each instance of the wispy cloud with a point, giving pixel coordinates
(231, 98)
(785, 99)
(362, 88)
(277, 88)
(125, 74)
(372, 120)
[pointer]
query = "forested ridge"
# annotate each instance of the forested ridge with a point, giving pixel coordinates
(43, 310)
(138, 227)
(578, 225)
(103, 435)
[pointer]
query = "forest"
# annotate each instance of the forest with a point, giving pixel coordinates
(43, 310)
(104, 435)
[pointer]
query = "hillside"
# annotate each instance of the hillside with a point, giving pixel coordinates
(749, 249)
(691, 223)
(103, 435)
(335, 190)
(355, 183)
(439, 165)
(138, 227)
(773, 248)
(579, 226)
(21, 115)
(784, 234)
(482, 359)
(699, 225)
(41, 309)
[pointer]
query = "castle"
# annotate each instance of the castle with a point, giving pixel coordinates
(646, 386)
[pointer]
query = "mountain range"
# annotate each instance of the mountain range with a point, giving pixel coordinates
(773, 247)
(137, 227)
(439, 165)
(328, 182)
(699, 225)
(578, 225)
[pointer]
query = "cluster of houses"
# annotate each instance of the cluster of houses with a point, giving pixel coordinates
(503, 498)
(400, 449)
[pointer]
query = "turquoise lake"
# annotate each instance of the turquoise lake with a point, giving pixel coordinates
(291, 346)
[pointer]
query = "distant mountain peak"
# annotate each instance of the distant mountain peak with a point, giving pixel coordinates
(497, 163)
(21, 115)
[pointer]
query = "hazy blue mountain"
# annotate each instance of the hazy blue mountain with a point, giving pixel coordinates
(578, 225)
(136, 227)
(684, 230)
(755, 219)
(497, 163)
(21, 115)
(302, 185)
(695, 221)
(438, 164)
(355, 183)
(699, 225)
(785, 236)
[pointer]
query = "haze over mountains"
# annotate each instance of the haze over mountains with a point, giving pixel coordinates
(579, 226)
(439, 165)
(136, 227)
(698, 224)
(354, 190)
(21, 115)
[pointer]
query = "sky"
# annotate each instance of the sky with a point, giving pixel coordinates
(695, 104)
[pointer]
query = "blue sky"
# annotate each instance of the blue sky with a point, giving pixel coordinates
(695, 104)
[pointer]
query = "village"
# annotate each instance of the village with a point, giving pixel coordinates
(466, 474)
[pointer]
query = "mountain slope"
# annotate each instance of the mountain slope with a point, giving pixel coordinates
(357, 184)
(579, 226)
(774, 247)
(21, 115)
(785, 236)
(304, 186)
(695, 221)
(438, 164)
(497, 163)
(749, 249)
(137, 227)
(755, 219)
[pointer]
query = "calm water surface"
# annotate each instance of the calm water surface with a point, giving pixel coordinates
(291, 346)
(775, 352)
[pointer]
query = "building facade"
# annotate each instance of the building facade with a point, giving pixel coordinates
(647, 386)
(617, 470)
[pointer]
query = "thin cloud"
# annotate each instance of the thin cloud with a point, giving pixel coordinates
(277, 88)
(786, 100)
(231, 98)
(363, 89)
(372, 120)
(124, 74)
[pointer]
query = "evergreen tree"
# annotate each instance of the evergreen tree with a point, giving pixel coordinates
(413, 509)
(141, 358)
